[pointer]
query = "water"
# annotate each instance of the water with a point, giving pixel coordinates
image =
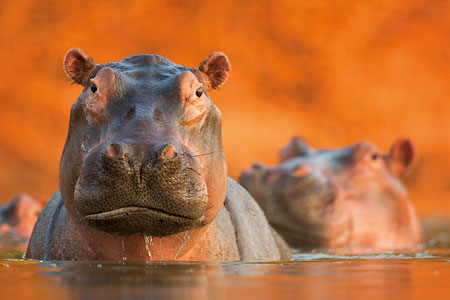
(424, 274)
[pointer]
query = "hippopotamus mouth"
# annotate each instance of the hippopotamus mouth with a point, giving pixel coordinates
(126, 194)
(129, 220)
(125, 211)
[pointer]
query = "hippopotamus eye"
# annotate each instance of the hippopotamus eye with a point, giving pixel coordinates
(199, 92)
(93, 87)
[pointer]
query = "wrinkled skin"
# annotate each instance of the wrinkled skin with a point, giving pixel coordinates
(348, 197)
(143, 173)
(17, 219)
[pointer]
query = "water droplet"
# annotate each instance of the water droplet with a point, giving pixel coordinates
(160, 249)
(148, 242)
(186, 240)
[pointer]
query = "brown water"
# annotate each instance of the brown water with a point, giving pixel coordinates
(425, 274)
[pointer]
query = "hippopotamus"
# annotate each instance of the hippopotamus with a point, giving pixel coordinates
(349, 199)
(17, 219)
(143, 174)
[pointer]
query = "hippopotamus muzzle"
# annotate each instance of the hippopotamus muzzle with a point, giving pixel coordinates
(124, 189)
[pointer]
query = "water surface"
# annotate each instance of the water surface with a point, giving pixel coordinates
(424, 274)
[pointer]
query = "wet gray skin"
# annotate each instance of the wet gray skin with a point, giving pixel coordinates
(347, 196)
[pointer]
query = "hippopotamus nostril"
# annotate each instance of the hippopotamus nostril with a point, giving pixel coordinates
(301, 171)
(169, 152)
(113, 150)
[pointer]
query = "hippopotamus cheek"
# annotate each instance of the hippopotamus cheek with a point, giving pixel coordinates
(194, 115)
(96, 106)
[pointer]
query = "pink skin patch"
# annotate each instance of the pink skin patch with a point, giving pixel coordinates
(194, 106)
(169, 152)
(100, 89)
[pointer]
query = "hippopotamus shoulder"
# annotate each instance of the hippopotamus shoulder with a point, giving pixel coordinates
(44, 227)
(255, 238)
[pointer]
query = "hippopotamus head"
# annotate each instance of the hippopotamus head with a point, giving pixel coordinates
(144, 151)
(20, 215)
(338, 197)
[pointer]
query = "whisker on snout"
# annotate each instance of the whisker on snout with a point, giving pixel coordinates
(203, 154)
(201, 168)
(195, 171)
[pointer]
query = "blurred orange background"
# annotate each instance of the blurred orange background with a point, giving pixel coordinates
(334, 72)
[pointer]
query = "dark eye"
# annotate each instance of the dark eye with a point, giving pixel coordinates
(375, 156)
(199, 92)
(93, 87)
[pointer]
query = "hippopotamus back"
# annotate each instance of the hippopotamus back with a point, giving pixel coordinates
(349, 197)
(143, 174)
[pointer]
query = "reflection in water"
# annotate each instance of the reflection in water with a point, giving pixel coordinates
(92, 280)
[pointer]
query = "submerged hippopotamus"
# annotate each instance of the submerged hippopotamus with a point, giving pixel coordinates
(143, 173)
(348, 197)
(17, 219)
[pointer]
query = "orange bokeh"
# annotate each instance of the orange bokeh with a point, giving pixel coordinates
(334, 72)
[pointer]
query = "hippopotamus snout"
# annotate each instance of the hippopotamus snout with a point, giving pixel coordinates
(162, 180)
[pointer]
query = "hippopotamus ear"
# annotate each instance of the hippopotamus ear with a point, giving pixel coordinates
(216, 68)
(296, 147)
(402, 156)
(78, 65)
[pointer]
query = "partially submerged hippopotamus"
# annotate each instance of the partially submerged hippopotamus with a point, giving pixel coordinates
(143, 173)
(17, 219)
(345, 197)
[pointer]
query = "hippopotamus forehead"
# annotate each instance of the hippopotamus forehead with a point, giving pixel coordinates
(325, 159)
(327, 155)
(337, 157)
(147, 69)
